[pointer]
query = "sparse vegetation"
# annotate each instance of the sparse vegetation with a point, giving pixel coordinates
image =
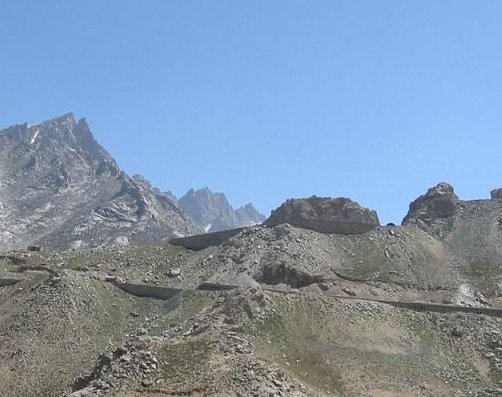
(322, 335)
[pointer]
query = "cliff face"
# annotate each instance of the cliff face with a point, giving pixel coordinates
(438, 202)
(325, 214)
(61, 189)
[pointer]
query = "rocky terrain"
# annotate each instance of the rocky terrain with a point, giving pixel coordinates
(275, 310)
(305, 304)
(212, 212)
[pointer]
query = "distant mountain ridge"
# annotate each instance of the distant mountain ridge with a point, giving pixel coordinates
(213, 212)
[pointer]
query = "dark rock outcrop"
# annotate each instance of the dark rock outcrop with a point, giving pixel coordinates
(325, 214)
(496, 193)
(439, 202)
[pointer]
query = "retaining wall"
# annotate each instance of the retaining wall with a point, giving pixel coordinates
(433, 307)
(148, 291)
(416, 306)
(6, 281)
(166, 293)
(215, 287)
(201, 241)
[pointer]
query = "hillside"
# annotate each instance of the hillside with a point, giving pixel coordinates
(285, 311)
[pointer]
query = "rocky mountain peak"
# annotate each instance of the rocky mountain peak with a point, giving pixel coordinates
(62, 189)
(213, 212)
(249, 215)
(438, 202)
(87, 143)
(248, 208)
(62, 137)
(56, 124)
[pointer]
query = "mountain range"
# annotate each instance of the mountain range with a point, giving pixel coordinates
(61, 189)
(318, 300)
(214, 213)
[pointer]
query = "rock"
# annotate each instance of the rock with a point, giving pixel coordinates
(439, 202)
(102, 385)
(481, 298)
(120, 351)
(326, 215)
(466, 296)
(498, 289)
(349, 291)
(496, 193)
(457, 332)
(174, 272)
(82, 393)
(142, 331)
(275, 272)
(122, 241)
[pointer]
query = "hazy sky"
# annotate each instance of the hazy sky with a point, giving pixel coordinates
(267, 100)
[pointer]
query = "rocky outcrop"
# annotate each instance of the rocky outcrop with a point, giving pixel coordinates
(496, 193)
(60, 189)
(213, 213)
(325, 214)
(439, 202)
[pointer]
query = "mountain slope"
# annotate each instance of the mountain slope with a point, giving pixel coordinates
(61, 189)
(284, 311)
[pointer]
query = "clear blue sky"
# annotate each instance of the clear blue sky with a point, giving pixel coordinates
(266, 100)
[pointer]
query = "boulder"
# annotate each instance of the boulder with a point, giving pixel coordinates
(440, 201)
(496, 193)
(174, 272)
(326, 215)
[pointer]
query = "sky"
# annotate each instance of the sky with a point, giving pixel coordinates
(268, 100)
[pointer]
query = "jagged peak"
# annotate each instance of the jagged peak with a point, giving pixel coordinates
(66, 118)
(58, 135)
(250, 209)
(248, 206)
(204, 192)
